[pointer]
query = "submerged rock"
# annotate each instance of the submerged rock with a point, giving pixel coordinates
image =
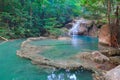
(64, 38)
(32, 52)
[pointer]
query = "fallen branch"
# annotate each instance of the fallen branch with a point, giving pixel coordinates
(3, 38)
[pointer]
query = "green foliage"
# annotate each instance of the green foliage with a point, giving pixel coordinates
(26, 18)
(97, 9)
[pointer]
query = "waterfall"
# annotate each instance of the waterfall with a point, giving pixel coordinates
(75, 28)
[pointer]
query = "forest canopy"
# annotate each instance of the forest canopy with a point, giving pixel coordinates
(30, 18)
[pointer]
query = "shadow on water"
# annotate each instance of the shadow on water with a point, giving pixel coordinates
(12, 67)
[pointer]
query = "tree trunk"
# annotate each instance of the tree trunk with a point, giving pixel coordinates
(2, 6)
(117, 16)
(114, 28)
(109, 21)
(109, 11)
(117, 24)
(31, 14)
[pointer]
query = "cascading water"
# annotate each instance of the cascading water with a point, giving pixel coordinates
(76, 26)
(74, 29)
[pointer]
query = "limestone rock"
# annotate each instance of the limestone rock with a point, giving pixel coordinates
(115, 60)
(113, 74)
(93, 31)
(32, 53)
(82, 30)
(104, 35)
(95, 56)
(98, 57)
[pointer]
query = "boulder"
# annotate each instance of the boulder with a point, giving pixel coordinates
(95, 56)
(115, 60)
(69, 25)
(104, 35)
(98, 57)
(82, 30)
(93, 31)
(113, 74)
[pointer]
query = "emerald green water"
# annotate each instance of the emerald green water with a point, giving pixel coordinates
(12, 67)
(64, 49)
